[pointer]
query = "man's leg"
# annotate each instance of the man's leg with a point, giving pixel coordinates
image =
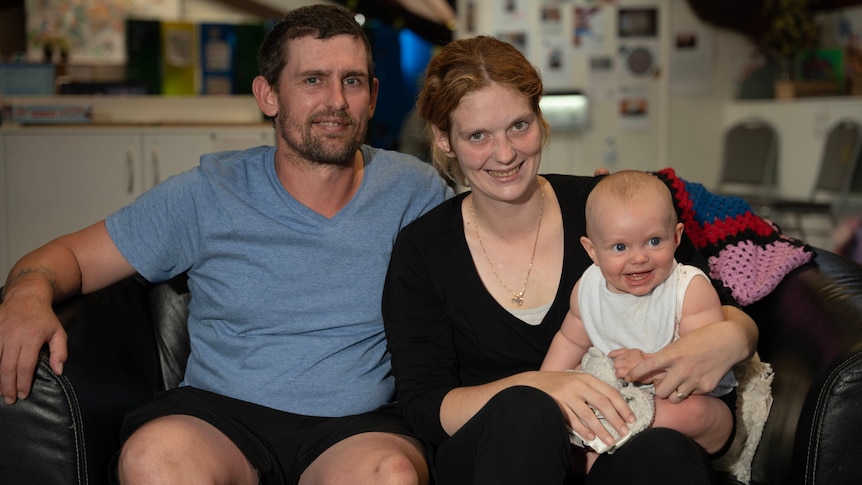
(370, 458)
(182, 449)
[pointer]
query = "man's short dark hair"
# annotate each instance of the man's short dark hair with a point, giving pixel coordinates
(317, 21)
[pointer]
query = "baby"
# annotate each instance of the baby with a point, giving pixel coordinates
(636, 299)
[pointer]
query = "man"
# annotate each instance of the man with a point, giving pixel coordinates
(286, 250)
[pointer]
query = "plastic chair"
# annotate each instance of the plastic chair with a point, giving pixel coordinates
(836, 178)
(750, 163)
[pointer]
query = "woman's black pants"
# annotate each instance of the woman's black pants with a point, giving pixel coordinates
(520, 438)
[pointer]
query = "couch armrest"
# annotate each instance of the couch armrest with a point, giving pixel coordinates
(68, 428)
(811, 333)
(43, 436)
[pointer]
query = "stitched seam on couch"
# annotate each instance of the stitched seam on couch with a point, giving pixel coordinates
(77, 419)
(819, 411)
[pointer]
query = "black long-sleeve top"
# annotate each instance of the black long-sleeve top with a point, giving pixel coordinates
(443, 327)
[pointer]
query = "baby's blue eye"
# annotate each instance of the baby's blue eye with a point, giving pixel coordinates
(619, 247)
(655, 241)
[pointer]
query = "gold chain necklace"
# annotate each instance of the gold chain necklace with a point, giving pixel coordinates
(517, 298)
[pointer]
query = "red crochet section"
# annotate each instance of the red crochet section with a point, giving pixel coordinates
(745, 252)
(722, 230)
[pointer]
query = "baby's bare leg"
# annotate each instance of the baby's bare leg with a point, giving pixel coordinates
(705, 419)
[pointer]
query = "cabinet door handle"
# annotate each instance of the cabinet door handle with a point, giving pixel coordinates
(130, 166)
(154, 160)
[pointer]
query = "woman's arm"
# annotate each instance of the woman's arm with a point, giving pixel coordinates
(697, 361)
(576, 393)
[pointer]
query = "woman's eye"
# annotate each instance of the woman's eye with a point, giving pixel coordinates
(476, 136)
(521, 125)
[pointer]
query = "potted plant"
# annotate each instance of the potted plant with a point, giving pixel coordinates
(790, 29)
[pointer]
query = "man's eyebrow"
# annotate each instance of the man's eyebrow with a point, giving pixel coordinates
(356, 74)
(327, 73)
(314, 73)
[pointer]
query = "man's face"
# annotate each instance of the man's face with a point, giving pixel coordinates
(325, 99)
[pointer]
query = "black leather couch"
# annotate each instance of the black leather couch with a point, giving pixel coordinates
(129, 340)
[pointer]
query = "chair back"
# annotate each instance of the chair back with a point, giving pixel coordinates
(840, 158)
(840, 174)
(750, 159)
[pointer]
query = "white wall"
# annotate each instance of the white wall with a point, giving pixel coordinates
(605, 142)
(685, 130)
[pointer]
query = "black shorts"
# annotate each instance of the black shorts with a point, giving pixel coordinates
(280, 445)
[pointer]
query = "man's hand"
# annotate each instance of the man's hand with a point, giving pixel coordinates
(83, 261)
(26, 325)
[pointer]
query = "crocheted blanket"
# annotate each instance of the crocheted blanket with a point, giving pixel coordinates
(746, 253)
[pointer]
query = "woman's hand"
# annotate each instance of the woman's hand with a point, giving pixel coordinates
(581, 396)
(696, 362)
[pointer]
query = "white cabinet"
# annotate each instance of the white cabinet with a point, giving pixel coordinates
(165, 154)
(58, 180)
(58, 183)
(168, 152)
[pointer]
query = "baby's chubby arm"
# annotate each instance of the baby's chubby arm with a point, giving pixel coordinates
(570, 343)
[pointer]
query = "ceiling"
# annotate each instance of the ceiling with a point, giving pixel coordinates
(432, 19)
(752, 22)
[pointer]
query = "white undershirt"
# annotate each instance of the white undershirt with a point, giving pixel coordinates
(532, 316)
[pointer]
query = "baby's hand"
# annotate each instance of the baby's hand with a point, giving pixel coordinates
(625, 360)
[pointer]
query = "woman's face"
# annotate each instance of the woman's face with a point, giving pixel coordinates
(497, 139)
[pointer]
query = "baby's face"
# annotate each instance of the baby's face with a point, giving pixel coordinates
(634, 244)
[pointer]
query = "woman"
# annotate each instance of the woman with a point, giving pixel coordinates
(478, 287)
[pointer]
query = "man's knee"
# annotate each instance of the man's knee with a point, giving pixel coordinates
(398, 469)
(372, 459)
(175, 449)
(141, 459)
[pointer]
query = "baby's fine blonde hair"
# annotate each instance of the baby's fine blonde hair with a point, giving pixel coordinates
(622, 187)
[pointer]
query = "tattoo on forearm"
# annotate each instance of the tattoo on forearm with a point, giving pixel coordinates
(44, 271)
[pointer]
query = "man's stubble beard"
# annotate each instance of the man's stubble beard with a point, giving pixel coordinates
(319, 149)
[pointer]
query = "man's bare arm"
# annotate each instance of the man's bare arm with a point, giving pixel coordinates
(83, 261)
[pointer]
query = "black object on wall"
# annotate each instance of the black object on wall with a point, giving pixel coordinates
(13, 36)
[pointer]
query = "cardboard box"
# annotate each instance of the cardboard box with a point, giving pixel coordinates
(854, 85)
(803, 88)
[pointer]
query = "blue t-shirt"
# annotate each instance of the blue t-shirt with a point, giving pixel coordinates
(285, 309)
